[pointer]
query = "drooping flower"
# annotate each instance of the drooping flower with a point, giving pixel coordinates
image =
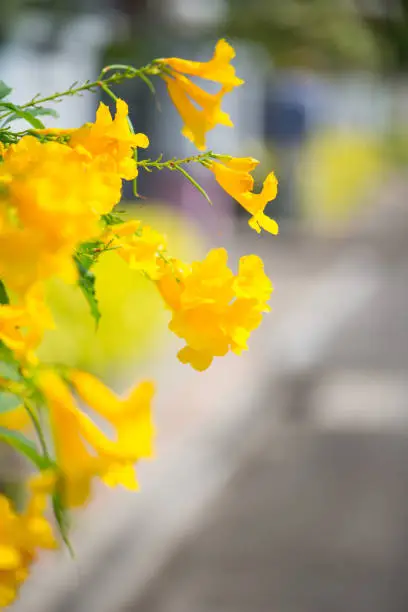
(187, 97)
(21, 535)
(213, 310)
(233, 175)
(218, 68)
(199, 110)
(82, 449)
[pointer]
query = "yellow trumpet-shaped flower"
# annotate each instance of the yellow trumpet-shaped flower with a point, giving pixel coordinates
(233, 175)
(218, 68)
(213, 310)
(82, 449)
(21, 535)
(201, 117)
(111, 140)
(199, 110)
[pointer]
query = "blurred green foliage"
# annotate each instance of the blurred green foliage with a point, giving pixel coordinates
(133, 325)
(323, 34)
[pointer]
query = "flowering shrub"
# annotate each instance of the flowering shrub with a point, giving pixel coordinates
(58, 192)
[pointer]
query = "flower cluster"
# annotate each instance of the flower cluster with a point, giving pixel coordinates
(213, 310)
(58, 192)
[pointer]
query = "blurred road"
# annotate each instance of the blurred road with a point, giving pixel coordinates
(281, 482)
(315, 517)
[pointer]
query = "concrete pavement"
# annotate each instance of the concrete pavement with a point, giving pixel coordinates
(266, 494)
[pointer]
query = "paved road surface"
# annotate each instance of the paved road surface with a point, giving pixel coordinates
(315, 518)
(282, 478)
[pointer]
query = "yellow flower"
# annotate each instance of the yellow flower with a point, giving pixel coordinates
(21, 535)
(111, 140)
(199, 110)
(213, 310)
(22, 326)
(16, 418)
(51, 200)
(197, 121)
(83, 451)
(139, 245)
(217, 69)
(26, 260)
(233, 175)
(53, 190)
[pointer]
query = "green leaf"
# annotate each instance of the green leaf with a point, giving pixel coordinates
(4, 298)
(24, 446)
(9, 371)
(112, 219)
(20, 113)
(86, 282)
(193, 182)
(9, 366)
(8, 401)
(38, 111)
(62, 518)
(5, 90)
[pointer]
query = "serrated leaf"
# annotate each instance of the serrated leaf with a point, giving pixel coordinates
(38, 111)
(20, 113)
(86, 282)
(24, 446)
(188, 176)
(112, 219)
(5, 90)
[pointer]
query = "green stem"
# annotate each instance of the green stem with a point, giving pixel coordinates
(193, 182)
(127, 72)
(171, 164)
(38, 429)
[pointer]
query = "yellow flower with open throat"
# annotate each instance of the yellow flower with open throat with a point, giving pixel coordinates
(213, 310)
(233, 175)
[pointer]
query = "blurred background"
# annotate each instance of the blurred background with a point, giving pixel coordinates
(281, 477)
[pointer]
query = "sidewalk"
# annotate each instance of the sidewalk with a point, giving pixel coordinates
(207, 424)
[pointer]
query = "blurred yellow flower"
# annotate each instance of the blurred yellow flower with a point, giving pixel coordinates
(21, 535)
(22, 326)
(83, 451)
(52, 196)
(16, 418)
